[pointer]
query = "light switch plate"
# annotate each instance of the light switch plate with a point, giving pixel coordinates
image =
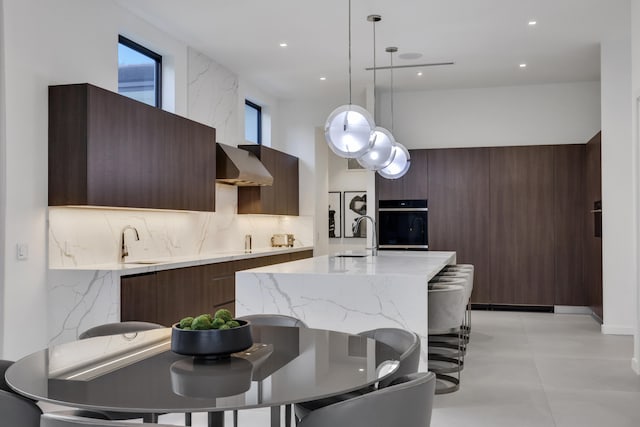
(22, 251)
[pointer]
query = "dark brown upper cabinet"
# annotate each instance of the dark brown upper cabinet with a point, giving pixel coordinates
(109, 150)
(282, 197)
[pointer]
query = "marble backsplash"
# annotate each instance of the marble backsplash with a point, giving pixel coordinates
(88, 236)
(213, 97)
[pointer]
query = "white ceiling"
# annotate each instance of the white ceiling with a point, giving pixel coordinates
(487, 39)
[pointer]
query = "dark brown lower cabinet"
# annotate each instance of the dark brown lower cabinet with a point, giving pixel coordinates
(167, 296)
(136, 293)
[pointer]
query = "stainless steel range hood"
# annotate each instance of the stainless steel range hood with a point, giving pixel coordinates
(239, 167)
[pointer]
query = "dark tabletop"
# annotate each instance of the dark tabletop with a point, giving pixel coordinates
(139, 373)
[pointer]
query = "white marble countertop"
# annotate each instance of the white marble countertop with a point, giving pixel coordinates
(158, 264)
(424, 264)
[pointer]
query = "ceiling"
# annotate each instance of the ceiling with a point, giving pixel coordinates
(487, 40)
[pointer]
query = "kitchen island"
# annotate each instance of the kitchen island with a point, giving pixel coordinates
(351, 293)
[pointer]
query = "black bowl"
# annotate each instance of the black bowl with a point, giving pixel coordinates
(211, 343)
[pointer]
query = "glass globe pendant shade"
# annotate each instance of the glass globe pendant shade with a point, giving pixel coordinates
(348, 131)
(400, 164)
(381, 153)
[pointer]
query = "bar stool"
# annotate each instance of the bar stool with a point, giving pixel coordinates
(447, 343)
(460, 271)
(447, 304)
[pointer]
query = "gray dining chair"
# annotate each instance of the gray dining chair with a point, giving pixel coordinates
(406, 343)
(406, 402)
(273, 320)
(4, 365)
(125, 328)
(58, 420)
(17, 411)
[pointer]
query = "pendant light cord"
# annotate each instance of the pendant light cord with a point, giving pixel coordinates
(350, 52)
(391, 53)
(375, 98)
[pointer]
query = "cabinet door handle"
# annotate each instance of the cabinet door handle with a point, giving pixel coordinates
(596, 211)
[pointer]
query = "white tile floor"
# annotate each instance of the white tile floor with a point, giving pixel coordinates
(528, 369)
(540, 369)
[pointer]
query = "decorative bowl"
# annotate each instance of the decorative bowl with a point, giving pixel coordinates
(211, 343)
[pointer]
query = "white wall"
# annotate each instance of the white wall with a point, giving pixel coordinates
(635, 72)
(2, 173)
(618, 198)
(566, 113)
(47, 43)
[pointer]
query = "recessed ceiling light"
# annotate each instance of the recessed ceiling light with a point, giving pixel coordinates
(523, 65)
(419, 73)
(532, 23)
(283, 44)
(323, 78)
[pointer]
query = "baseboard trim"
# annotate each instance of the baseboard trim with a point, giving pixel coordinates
(616, 330)
(596, 317)
(635, 365)
(513, 307)
(572, 309)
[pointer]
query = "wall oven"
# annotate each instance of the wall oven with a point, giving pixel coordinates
(402, 224)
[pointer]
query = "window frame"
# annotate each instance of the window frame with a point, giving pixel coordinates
(157, 58)
(258, 108)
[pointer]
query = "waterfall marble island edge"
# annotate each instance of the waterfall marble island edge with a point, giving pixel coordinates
(349, 294)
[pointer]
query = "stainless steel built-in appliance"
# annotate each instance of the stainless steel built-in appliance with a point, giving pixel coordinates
(402, 224)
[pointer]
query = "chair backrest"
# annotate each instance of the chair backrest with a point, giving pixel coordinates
(447, 304)
(462, 280)
(58, 420)
(405, 342)
(118, 328)
(4, 365)
(274, 320)
(460, 269)
(17, 411)
(408, 403)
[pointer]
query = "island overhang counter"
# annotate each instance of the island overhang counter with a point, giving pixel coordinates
(347, 293)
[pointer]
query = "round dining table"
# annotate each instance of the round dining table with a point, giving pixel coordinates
(138, 372)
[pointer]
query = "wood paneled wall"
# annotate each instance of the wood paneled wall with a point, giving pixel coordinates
(459, 209)
(516, 213)
(521, 225)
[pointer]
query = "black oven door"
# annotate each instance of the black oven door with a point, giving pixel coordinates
(403, 228)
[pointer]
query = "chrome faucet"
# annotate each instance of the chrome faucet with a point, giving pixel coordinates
(374, 248)
(124, 251)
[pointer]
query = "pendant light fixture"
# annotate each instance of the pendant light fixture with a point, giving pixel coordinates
(401, 162)
(348, 129)
(381, 153)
